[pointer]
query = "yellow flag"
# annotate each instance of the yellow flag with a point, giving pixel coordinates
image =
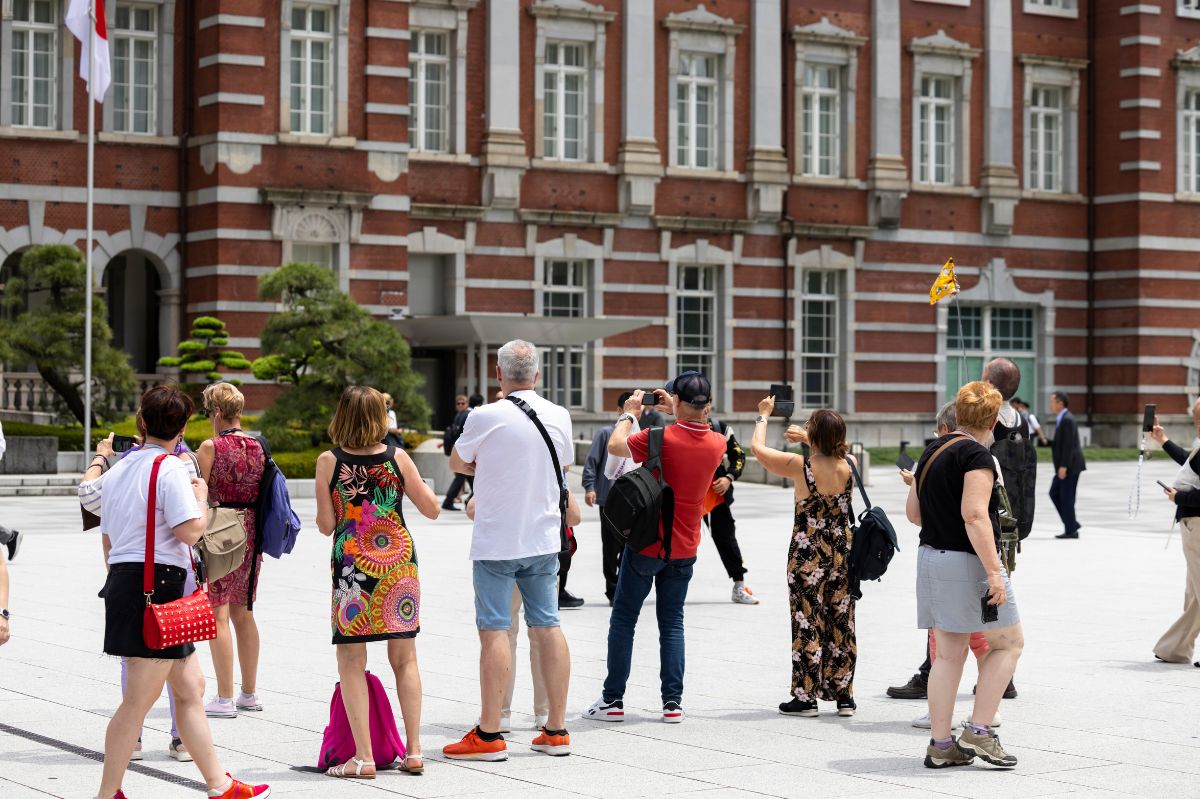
(946, 284)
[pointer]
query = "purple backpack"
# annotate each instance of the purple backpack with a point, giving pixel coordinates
(337, 746)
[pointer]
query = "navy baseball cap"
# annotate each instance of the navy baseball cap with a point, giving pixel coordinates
(691, 387)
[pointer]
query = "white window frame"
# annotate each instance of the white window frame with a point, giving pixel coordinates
(1068, 9)
(307, 120)
(1063, 74)
(577, 287)
(163, 118)
(339, 86)
(419, 62)
(577, 23)
(1189, 143)
(301, 252)
(1187, 79)
(700, 32)
(131, 36)
(589, 260)
(842, 267)
(818, 102)
(711, 293)
(447, 16)
(989, 349)
(940, 56)
(31, 29)
(925, 125)
(1188, 8)
(554, 101)
(832, 295)
(825, 44)
(1047, 146)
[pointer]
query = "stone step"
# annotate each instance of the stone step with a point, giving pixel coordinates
(13, 480)
(37, 491)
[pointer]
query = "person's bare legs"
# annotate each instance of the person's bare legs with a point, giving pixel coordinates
(541, 702)
(1005, 645)
(221, 648)
(352, 668)
(247, 647)
(513, 633)
(555, 658)
(402, 654)
(495, 665)
(944, 677)
(142, 689)
(187, 683)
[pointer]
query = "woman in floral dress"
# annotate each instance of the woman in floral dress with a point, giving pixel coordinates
(361, 485)
(824, 649)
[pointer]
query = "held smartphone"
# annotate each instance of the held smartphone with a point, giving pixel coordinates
(123, 443)
(1148, 417)
(1165, 487)
(784, 404)
(988, 613)
(905, 462)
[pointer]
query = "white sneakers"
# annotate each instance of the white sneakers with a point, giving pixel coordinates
(247, 701)
(743, 595)
(218, 708)
(923, 723)
(605, 711)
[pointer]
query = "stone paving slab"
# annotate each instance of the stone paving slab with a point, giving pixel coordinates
(1096, 717)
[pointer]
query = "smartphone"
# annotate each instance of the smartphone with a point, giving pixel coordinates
(123, 443)
(784, 408)
(905, 462)
(988, 613)
(1148, 417)
(781, 391)
(1165, 487)
(649, 399)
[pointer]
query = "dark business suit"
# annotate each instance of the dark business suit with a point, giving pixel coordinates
(1067, 452)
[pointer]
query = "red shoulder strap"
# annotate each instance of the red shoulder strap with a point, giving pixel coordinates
(151, 502)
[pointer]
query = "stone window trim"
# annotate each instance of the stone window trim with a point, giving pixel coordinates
(450, 16)
(826, 44)
(826, 259)
(1063, 73)
(1068, 9)
(571, 21)
(64, 78)
(341, 68)
(164, 77)
(939, 55)
(1187, 8)
(326, 217)
(1187, 81)
(703, 32)
(703, 253)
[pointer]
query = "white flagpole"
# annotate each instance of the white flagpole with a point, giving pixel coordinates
(91, 171)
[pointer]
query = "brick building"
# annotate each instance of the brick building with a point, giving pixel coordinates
(760, 188)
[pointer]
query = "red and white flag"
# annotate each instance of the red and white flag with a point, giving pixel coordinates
(79, 22)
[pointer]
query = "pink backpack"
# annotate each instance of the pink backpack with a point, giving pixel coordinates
(337, 745)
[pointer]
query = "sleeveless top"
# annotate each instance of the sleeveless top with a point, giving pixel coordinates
(834, 508)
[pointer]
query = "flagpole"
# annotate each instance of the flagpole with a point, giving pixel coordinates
(91, 177)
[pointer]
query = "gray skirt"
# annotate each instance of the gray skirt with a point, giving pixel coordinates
(949, 587)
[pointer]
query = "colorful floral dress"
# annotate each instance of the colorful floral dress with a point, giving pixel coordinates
(376, 588)
(233, 480)
(824, 650)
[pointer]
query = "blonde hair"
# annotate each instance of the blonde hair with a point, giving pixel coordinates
(977, 405)
(225, 399)
(360, 419)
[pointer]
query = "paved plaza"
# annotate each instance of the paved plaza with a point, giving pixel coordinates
(1096, 716)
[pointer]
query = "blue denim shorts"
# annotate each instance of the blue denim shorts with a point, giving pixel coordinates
(537, 577)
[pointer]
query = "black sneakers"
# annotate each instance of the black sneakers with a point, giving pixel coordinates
(846, 706)
(14, 544)
(797, 708)
(916, 688)
(568, 601)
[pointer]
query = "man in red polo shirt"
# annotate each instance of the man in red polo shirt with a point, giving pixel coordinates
(691, 453)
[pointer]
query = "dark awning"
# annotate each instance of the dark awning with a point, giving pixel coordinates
(496, 329)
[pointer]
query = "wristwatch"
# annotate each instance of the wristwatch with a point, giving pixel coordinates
(4, 614)
(625, 416)
(760, 418)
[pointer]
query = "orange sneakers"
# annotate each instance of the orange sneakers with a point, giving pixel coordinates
(556, 745)
(472, 747)
(240, 790)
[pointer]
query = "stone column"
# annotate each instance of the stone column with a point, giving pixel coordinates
(766, 167)
(504, 158)
(1000, 181)
(887, 176)
(638, 160)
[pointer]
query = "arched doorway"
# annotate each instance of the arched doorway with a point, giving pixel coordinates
(132, 290)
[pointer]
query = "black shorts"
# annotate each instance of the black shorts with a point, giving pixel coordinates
(125, 609)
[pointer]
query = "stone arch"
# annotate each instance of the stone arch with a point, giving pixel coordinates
(143, 305)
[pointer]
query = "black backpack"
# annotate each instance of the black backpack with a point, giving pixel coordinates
(639, 500)
(1017, 455)
(874, 541)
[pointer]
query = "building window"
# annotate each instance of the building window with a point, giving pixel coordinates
(976, 334)
(819, 339)
(564, 375)
(1189, 8)
(311, 70)
(565, 78)
(696, 111)
(34, 59)
(565, 288)
(319, 253)
(935, 131)
(1190, 142)
(696, 319)
(1054, 8)
(429, 61)
(822, 121)
(1046, 139)
(134, 38)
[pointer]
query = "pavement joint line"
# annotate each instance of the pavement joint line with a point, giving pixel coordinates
(29, 787)
(89, 754)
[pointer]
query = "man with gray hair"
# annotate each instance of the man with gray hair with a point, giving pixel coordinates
(517, 449)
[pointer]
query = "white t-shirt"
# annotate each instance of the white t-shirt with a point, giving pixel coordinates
(123, 508)
(516, 489)
(3, 443)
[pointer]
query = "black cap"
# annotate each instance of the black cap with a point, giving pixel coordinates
(691, 387)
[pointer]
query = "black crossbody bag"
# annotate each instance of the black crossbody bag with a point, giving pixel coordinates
(558, 472)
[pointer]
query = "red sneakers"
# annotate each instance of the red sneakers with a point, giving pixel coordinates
(556, 745)
(240, 790)
(472, 747)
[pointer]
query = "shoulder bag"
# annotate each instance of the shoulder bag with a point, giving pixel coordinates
(874, 543)
(223, 545)
(558, 472)
(187, 619)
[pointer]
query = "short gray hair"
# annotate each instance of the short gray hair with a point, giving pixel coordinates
(948, 416)
(518, 361)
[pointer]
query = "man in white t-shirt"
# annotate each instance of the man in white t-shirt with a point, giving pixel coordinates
(516, 540)
(9, 538)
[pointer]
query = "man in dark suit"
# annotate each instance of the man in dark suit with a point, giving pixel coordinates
(1068, 464)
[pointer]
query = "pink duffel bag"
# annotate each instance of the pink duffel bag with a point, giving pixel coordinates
(337, 745)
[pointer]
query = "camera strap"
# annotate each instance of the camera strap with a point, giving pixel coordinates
(1134, 504)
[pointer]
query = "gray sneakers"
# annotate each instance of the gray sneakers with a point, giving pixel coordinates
(986, 746)
(945, 758)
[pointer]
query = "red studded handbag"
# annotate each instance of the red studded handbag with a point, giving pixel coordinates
(187, 619)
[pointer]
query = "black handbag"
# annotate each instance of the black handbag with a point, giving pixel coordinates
(874, 540)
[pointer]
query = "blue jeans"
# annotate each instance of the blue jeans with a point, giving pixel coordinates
(670, 580)
(536, 576)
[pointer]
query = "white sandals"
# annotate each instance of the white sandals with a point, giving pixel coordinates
(344, 770)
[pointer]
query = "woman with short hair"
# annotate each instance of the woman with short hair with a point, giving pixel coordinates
(179, 521)
(962, 586)
(361, 485)
(824, 646)
(232, 464)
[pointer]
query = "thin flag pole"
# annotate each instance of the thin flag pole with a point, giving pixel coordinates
(87, 293)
